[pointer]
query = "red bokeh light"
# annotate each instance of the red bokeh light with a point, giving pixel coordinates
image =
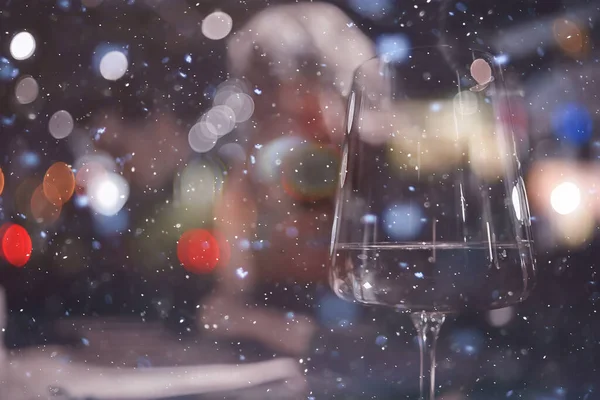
(15, 244)
(198, 251)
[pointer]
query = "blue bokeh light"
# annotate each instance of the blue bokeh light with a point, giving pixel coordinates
(393, 47)
(573, 123)
(335, 312)
(112, 225)
(8, 71)
(403, 221)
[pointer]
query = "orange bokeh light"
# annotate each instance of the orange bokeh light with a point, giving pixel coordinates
(43, 209)
(570, 37)
(198, 251)
(1, 181)
(59, 183)
(15, 244)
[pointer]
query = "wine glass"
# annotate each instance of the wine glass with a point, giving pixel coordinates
(431, 214)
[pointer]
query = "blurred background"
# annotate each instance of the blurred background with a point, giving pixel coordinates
(123, 123)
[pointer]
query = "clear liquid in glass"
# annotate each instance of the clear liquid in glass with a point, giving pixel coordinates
(443, 277)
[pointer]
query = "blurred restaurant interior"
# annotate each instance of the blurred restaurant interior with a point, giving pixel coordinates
(168, 175)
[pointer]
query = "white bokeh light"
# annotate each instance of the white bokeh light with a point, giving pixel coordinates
(108, 193)
(113, 65)
(242, 106)
(201, 137)
(500, 317)
(61, 124)
(565, 198)
(22, 46)
(27, 90)
(217, 25)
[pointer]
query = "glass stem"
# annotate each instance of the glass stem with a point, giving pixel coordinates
(428, 326)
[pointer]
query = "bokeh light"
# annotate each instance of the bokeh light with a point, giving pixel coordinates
(310, 172)
(1, 181)
(46, 204)
(90, 167)
(573, 123)
(15, 244)
(393, 47)
(232, 153)
(113, 65)
(8, 71)
(22, 46)
(198, 251)
(59, 181)
(500, 317)
(481, 71)
(466, 103)
(565, 198)
(61, 124)
(402, 221)
(569, 36)
(27, 90)
(219, 120)
(269, 158)
(217, 25)
(200, 137)
(108, 193)
(111, 225)
(242, 106)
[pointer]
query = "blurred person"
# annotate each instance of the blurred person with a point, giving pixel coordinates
(301, 59)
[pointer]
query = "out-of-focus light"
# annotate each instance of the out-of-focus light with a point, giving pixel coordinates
(44, 210)
(197, 187)
(1, 181)
(573, 123)
(269, 158)
(481, 71)
(15, 244)
(113, 65)
(373, 9)
(242, 106)
(228, 88)
(91, 167)
(22, 46)
(500, 317)
(27, 90)
(8, 71)
(198, 251)
(565, 198)
(467, 341)
(61, 124)
(393, 47)
(219, 120)
(310, 173)
(232, 153)
(334, 312)
(502, 59)
(217, 25)
(59, 181)
(108, 193)
(112, 225)
(466, 103)
(569, 36)
(402, 221)
(200, 138)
